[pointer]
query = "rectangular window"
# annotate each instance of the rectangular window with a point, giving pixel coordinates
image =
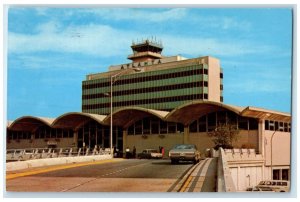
(131, 130)
(180, 128)
(221, 117)
(276, 125)
(211, 121)
(281, 127)
(285, 174)
(71, 133)
(202, 124)
(163, 127)
(65, 133)
(243, 123)
(193, 127)
(139, 127)
(253, 124)
(146, 126)
(172, 127)
(271, 125)
(155, 126)
(267, 127)
(276, 174)
(9, 135)
(285, 127)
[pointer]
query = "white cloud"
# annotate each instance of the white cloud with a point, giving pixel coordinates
(226, 23)
(104, 41)
(137, 14)
(211, 46)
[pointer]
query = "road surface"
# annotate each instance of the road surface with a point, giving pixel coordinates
(116, 175)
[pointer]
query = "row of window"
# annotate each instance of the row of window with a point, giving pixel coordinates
(147, 101)
(277, 126)
(41, 133)
(17, 135)
(209, 122)
(147, 78)
(153, 125)
(149, 90)
(46, 132)
(281, 174)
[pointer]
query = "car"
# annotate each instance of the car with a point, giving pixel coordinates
(276, 185)
(184, 152)
(149, 153)
(259, 189)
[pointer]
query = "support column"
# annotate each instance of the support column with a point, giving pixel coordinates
(124, 139)
(75, 138)
(261, 137)
(186, 134)
(116, 132)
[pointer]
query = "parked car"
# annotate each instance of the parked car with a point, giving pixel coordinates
(184, 152)
(276, 185)
(260, 189)
(149, 153)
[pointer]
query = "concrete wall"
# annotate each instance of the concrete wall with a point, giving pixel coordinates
(281, 146)
(246, 168)
(248, 139)
(39, 143)
(201, 140)
(214, 71)
(225, 182)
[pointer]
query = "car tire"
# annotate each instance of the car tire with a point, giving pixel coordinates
(173, 161)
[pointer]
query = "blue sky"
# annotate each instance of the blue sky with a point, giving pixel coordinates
(51, 50)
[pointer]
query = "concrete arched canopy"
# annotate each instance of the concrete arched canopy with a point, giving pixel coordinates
(260, 113)
(126, 116)
(73, 120)
(191, 111)
(30, 123)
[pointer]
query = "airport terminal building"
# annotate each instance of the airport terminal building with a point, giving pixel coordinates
(158, 101)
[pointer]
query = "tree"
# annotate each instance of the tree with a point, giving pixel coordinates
(224, 135)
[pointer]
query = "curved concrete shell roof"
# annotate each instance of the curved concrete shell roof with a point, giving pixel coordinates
(30, 123)
(76, 119)
(191, 111)
(126, 116)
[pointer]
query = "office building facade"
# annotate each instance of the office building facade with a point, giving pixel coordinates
(153, 81)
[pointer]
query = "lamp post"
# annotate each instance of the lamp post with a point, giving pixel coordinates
(112, 81)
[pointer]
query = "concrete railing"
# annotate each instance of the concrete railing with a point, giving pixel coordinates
(19, 165)
(224, 181)
(242, 155)
(41, 153)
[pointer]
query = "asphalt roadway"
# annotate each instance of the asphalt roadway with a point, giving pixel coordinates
(116, 175)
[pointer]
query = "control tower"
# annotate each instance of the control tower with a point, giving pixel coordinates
(145, 51)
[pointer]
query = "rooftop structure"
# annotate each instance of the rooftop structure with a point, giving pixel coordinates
(146, 51)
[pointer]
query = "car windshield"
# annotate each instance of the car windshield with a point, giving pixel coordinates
(182, 146)
(266, 189)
